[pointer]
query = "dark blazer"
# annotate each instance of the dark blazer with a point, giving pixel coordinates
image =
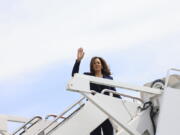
(95, 87)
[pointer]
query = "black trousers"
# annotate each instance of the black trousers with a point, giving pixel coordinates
(106, 127)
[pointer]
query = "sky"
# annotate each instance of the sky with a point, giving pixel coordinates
(39, 39)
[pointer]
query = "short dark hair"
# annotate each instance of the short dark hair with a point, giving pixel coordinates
(105, 69)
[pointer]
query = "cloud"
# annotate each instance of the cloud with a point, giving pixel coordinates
(36, 33)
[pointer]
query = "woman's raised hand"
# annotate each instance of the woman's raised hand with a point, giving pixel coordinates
(80, 54)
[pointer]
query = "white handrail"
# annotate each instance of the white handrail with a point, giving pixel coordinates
(29, 122)
(72, 85)
(121, 94)
(61, 115)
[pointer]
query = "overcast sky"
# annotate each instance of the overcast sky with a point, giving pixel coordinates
(39, 39)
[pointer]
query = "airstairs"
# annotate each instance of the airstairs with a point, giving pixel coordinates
(128, 117)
